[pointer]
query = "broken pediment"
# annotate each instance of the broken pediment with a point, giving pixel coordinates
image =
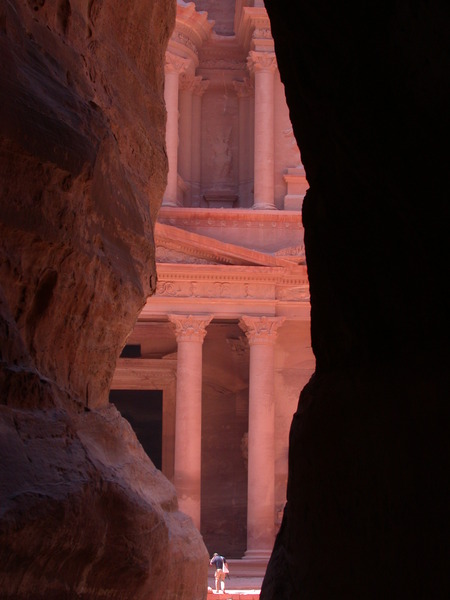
(175, 245)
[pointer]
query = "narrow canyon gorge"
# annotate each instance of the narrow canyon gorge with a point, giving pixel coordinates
(84, 513)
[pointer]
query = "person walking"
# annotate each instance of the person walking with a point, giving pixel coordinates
(220, 563)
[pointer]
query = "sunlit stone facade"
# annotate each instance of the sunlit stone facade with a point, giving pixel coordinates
(226, 336)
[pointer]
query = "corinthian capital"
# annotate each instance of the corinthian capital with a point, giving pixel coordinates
(189, 82)
(261, 330)
(190, 328)
(261, 61)
(243, 88)
(175, 64)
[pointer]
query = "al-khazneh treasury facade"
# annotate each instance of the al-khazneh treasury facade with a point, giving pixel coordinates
(226, 338)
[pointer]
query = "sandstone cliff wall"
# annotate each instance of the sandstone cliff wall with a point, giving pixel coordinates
(83, 512)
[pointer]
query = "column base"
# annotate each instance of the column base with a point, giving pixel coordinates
(170, 203)
(264, 206)
(258, 555)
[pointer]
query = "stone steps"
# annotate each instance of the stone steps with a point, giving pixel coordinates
(234, 595)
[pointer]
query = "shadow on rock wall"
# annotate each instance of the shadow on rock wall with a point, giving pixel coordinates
(368, 89)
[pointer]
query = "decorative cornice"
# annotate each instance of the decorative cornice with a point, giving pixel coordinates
(190, 328)
(260, 330)
(271, 219)
(251, 19)
(169, 255)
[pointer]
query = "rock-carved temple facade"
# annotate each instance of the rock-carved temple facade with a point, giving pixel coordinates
(223, 347)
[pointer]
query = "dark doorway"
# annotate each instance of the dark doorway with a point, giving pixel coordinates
(143, 410)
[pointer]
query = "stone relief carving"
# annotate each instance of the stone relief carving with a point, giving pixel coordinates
(293, 294)
(231, 222)
(262, 33)
(168, 288)
(215, 289)
(182, 38)
(232, 64)
(222, 156)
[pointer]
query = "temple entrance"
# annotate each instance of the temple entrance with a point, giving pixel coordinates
(224, 440)
(143, 410)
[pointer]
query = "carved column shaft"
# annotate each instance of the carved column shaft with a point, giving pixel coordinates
(198, 92)
(244, 92)
(264, 64)
(190, 332)
(173, 67)
(261, 333)
(187, 84)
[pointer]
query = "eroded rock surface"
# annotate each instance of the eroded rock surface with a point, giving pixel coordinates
(367, 86)
(82, 169)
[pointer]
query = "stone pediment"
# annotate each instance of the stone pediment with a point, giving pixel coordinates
(177, 246)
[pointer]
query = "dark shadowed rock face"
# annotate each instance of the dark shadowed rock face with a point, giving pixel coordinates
(83, 512)
(368, 89)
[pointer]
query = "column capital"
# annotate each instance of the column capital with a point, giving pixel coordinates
(261, 330)
(189, 82)
(175, 64)
(200, 86)
(190, 328)
(244, 88)
(261, 62)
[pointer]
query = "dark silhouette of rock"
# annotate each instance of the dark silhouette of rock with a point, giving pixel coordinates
(368, 89)
(83, 512)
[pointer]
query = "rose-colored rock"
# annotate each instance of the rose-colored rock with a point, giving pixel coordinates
(82, 170)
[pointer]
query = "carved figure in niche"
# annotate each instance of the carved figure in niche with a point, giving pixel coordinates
(222, 157)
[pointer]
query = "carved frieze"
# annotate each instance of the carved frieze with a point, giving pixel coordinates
(181, 38)
(262, 33)
(294, 294)
(224, 63)
(216, 289)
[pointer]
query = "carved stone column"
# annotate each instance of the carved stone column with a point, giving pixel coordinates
(187, 84)
(261, 333)
(190, 332)
(263, 64)
(244, 91)
(173, 67)
(198, 91)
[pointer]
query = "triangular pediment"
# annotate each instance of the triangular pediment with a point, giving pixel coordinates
(175, 245)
